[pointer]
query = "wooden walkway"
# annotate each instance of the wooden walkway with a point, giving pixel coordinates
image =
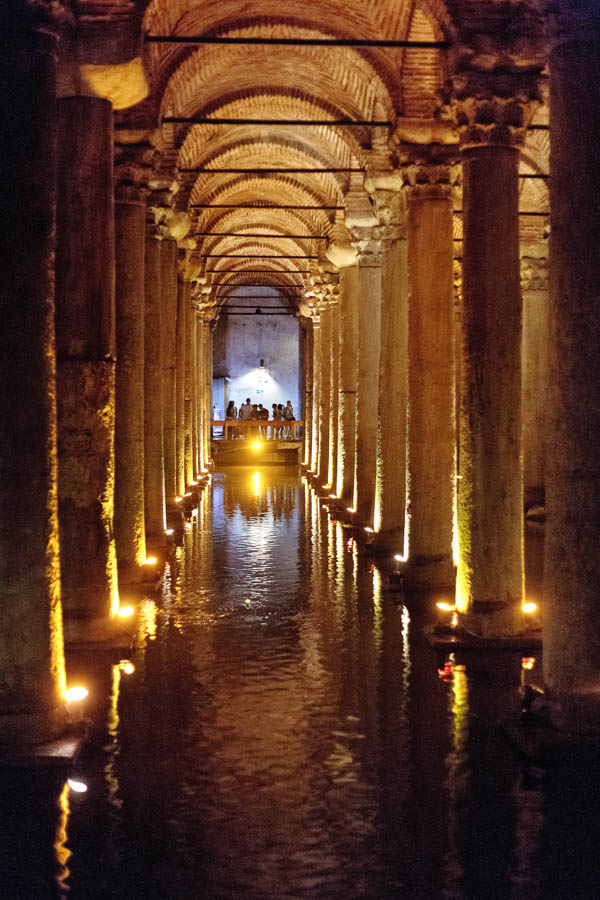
(257, 429)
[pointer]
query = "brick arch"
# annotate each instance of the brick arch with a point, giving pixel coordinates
(363, 19)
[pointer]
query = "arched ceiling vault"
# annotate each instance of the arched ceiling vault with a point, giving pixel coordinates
(230, 210)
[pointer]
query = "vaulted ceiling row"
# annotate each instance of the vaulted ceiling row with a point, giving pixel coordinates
(237, 210)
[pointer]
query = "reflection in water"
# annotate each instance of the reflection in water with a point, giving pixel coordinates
(61, 851)
(457, 771)
(283, 732)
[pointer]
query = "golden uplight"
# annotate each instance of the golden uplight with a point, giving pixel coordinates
(150, 561)
(125, 611)
(75, 694)
(127, 667)
(529, 607)
(256, 445)
(445, 607)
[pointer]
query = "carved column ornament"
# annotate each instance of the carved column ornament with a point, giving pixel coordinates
(429, 171)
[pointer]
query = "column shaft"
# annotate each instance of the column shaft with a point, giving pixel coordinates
(169, 362)
(334, 396)
(431, 423)
(180, 354)
(85, 341)
(308, 391)
(535, 373)
(130, 226)
(348, 360)
(324, 395)
(490, 503)
(188, 445)
(390, 491)
(32, 672)
(316, 403)
(572, 573)
(369, 342)
(154, 474)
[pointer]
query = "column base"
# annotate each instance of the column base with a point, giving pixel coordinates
(488, 620)
(433, 573)
(98, 634)
(445, 637)
(386, 543)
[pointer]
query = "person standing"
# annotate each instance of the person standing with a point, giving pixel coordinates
(245, 413)
(288, 415)
(231, 413)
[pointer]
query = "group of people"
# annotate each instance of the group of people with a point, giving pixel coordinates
(249, 411)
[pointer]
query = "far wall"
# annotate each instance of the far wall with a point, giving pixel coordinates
(239, 343)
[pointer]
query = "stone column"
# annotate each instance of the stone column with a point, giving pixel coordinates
(188, 409)
(316, 368)
(572, 566)
(85, 343)
(490, 502)
(390, 484)
(431, 409)
(180, 364)
(308, 391)
(324, 395)
(194, 390)
(334, 394)
(169, 362)
(348, 362)
(130, 238)
(534, 285)
(154, 474)
(369, 343)
(32, 672)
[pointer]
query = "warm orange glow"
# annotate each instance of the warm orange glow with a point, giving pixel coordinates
(189, 494)
(528, 662)
(350, 509)
(150, 561)
(369, 530)
(529, 607)
(398, 557)
(333, 496)
(445, 607)
(125, 611)
(256, 445)
(178, 499)
(127, 667)
(169, 531)
(75, 694)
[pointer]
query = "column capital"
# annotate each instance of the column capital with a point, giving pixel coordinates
(494, 107)
(368, 243)
(429, 171)
(534, 270)
(135, 163)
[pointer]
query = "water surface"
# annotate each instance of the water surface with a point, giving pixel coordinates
(288, 733)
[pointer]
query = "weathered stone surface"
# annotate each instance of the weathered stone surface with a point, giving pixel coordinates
(85, 341)
(130, 224)
(154, 481)
(32, 673)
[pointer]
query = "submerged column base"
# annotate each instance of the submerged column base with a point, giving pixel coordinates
(425, 573)
(496, 619)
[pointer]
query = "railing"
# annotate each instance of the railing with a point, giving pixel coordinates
(263, 429)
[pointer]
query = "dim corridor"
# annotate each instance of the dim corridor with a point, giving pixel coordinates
(283, 731)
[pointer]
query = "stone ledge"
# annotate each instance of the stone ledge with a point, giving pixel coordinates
(447, 638)
(60, 753)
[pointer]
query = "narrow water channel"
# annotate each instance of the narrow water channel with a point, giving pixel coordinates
(287, 733)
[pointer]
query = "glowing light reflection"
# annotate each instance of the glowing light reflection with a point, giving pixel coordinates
(61, 851)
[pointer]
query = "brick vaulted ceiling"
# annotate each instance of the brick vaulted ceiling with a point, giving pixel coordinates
(291, 82)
